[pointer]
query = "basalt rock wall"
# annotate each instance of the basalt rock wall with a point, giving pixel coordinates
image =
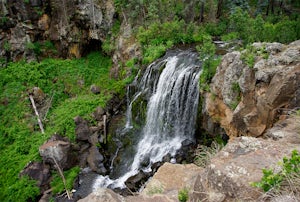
(63, 28)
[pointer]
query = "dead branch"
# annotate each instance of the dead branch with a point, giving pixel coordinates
(37, 114)
(62, 177)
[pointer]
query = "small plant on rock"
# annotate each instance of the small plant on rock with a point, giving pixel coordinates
(155, 190)
(203, 154)
(285, 181)
(183, 195)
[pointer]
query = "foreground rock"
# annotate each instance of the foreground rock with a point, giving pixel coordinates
(103, 195)
(247, 101)
(163, 187)
(231, 171)
(171, 178)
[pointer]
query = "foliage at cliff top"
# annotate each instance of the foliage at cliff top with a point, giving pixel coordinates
(66, 84)
(156, 37)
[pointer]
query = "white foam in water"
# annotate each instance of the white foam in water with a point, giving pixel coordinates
(171, 114)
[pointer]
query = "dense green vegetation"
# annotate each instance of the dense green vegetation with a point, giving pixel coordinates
(66, 84)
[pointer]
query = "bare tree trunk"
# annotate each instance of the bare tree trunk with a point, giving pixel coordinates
(202, 12)
(211, 11)
(37, 114)
(270, 7)
(104, 128)
(219, 9)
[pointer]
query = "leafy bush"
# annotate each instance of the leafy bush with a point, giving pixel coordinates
(158, 37)
(290, 171)
(216, 29)
(230, 36)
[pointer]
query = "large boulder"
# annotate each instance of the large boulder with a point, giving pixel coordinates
(247, 101)
(58, 150)
(170, 179)
(230, 173)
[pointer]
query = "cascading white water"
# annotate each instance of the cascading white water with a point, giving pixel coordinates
(171, 112)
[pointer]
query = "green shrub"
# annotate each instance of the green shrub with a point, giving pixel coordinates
(155, 190)
(216, 29)
(286, 31)
(290, 169)
(13, 193)
(183, 195)
(7, 46)
(240, 22)
(230, 36)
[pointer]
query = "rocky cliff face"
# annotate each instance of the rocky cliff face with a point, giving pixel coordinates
(72, 27)
(247, 101)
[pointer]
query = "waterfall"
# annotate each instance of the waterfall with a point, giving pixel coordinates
(171, 87)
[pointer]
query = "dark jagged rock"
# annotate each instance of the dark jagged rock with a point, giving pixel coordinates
(98, 114)
(82, 129)
(39, 172)
(135, 182)
(73, 26)
(95, 160)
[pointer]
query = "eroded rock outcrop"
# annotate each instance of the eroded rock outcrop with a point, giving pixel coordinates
(73, 27)
(230, 173)
(247, 101)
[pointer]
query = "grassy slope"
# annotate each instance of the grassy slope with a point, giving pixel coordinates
(59, 79)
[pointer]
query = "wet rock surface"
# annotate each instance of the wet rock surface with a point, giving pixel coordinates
(96, 161)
